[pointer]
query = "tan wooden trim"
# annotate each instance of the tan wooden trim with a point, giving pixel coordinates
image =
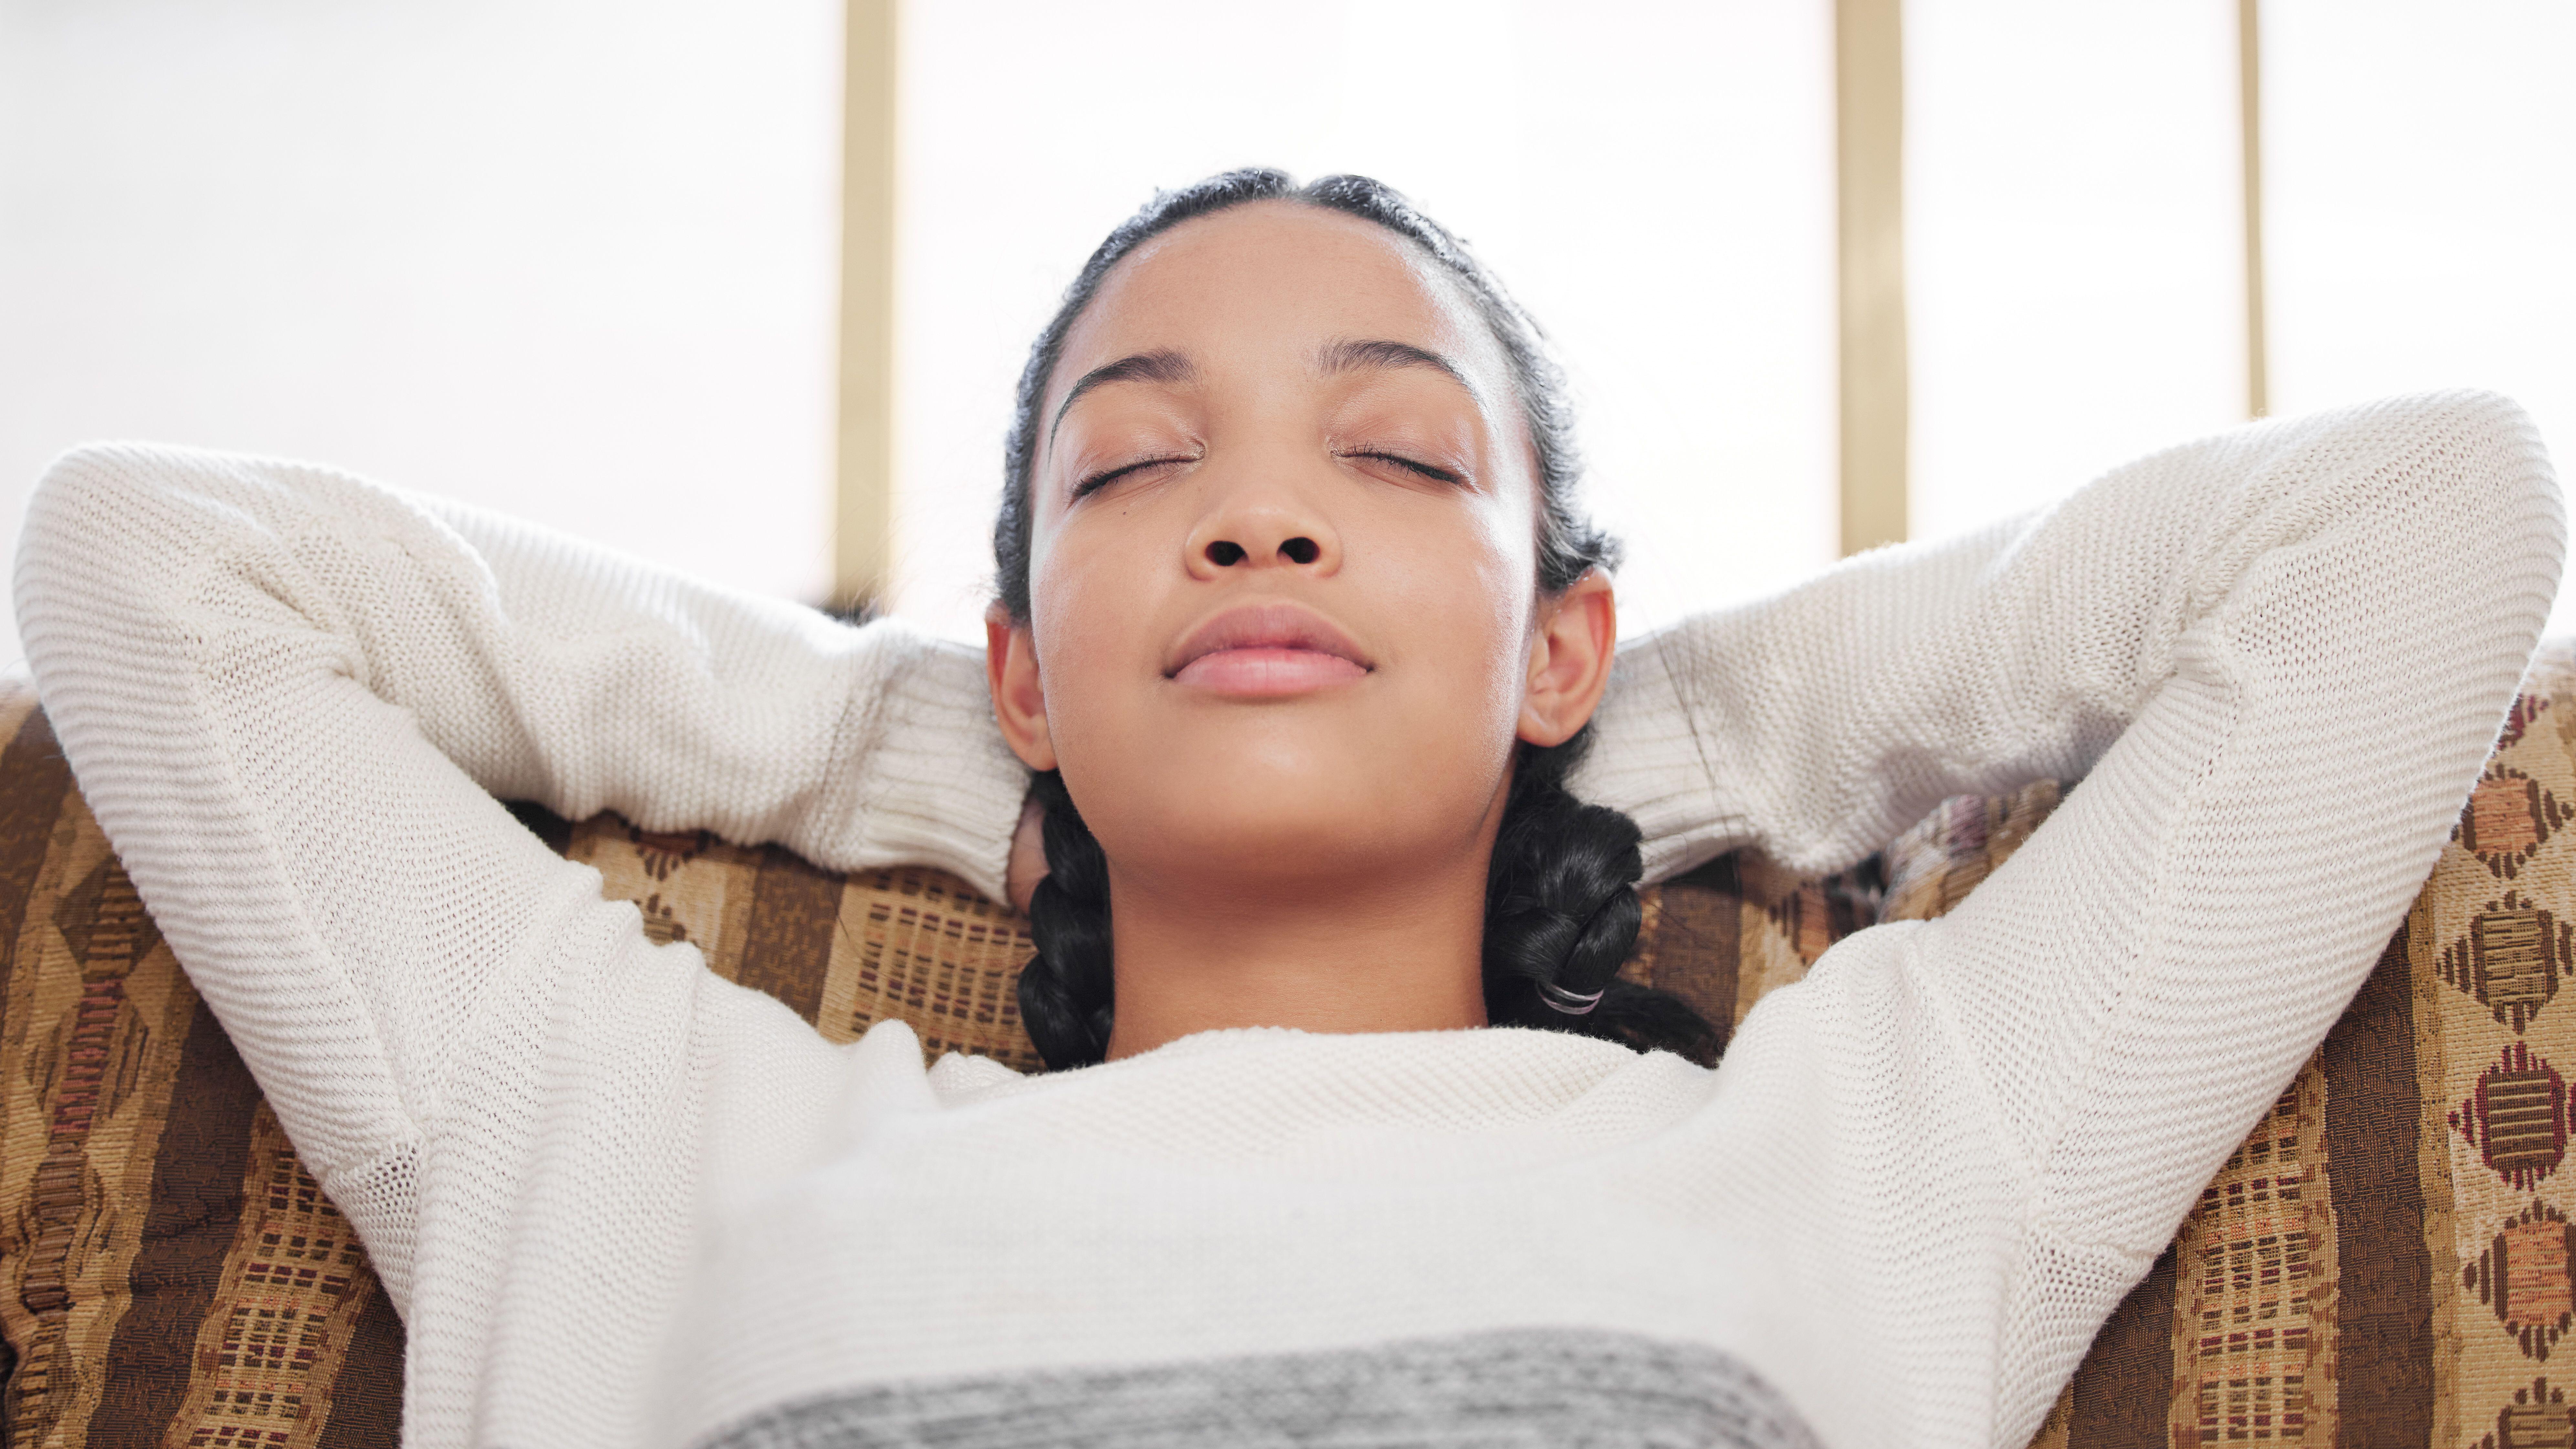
(2249, 82)
(1869, 165)
(863, 494)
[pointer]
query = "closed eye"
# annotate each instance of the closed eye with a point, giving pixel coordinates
(1443, 475)
(1098, 481)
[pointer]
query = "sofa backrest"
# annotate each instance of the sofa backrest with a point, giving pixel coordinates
(2385, 1260)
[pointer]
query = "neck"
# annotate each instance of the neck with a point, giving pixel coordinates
(1365, 951)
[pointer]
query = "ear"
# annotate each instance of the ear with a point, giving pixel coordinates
(1570, 654)
(1019, 696)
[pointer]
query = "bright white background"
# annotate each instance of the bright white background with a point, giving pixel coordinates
(2422, 191)
(576, 259)
(1653, 180)
(2074, 222)
(2074, 232)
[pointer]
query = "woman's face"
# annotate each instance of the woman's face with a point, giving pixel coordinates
(1283, 612)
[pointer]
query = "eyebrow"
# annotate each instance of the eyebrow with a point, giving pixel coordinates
(1163, 366)
(1352, 354)
(1348, 355)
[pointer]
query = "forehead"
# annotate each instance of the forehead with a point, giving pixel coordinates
(1266, 282)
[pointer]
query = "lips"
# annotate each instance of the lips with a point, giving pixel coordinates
(1267, 650)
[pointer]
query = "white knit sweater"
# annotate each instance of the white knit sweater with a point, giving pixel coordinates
(620, 1201)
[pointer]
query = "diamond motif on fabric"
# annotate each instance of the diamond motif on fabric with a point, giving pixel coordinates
(2508, 818)
(2511, 958)
(2538, 1418)
(2526, 708)
(662, 923)
(663, 852)
(103, 921)
(2523, 1275)
(2517, 1117)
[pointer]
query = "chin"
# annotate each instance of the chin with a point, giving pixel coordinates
(1269, 816)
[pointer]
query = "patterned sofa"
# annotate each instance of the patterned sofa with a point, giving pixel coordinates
(2386, 1260)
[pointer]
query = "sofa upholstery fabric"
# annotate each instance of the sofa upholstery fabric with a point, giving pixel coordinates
(2386, 1260)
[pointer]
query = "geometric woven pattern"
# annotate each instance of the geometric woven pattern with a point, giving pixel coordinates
(1932, 867)
(2388, 1259)
(2512, 959)
(2251, 1260)
(1740, 927)
(844, 951)
(2499, 1041)
(289, 1299)
(172, 1274)
(93, 1012)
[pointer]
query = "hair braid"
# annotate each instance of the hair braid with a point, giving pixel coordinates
(1560, 898)
(1067, 989)
(1561, 915)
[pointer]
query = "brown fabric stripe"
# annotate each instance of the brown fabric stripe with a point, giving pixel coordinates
(787, 942)
(2125, 1386)
(1697, 947)
(196, 1206)
(2384, 1309)
(34, 777)
(60, 1205)
(366, 1399)
(279, 1328)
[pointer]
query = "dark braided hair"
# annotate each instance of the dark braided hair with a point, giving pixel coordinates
(1561, 907)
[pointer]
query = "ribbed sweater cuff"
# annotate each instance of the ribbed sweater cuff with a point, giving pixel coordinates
(1648, 763)
(944, 789)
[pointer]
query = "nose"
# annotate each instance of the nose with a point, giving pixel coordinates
(1262, 528)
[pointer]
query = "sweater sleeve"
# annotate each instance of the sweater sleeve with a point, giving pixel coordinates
(624, 686)
(1819, 722)
(290, 697)
(2349, 609)
(554, 670)
(1822, 721)
(2278, 658)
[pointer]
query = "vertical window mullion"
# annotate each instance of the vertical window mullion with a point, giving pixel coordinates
(863, 493)
(1869, 160)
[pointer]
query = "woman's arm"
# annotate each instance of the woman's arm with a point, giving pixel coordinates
(2281, 656)
(1822, 721)
(558, 671)
(2318, 687)
(267, 678)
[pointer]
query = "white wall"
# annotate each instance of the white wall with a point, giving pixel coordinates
(2421, 184)
(2074, 223)
(2074, 238)
(576, 259)
(571, 258)
(1654, 180)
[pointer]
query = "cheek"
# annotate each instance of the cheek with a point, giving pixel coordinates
(1458, 603)
(1473, 590)
(1071, 598)
(1092, 588)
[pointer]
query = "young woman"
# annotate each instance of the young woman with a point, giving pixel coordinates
(1299, 612)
